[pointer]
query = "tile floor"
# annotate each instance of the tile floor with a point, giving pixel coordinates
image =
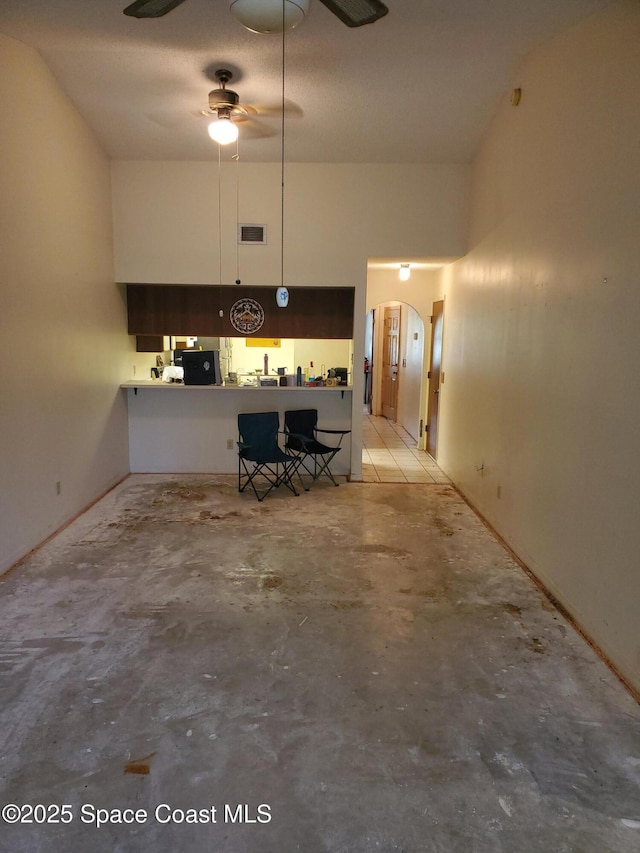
(390, 455)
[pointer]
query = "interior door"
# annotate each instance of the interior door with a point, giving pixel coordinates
(390, 355)
(434, 376)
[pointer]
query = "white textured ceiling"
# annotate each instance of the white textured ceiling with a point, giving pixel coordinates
(417, 86)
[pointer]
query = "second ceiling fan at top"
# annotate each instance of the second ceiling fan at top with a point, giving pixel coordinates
(266, 16)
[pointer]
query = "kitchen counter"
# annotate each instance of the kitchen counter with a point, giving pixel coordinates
(176, 428)
(172, 386)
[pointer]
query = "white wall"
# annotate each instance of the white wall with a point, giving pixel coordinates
(62, 319)
(420, 291)
(541, 329)
(178, 429)
(336, 217)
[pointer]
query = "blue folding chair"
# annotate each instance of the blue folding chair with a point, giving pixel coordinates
(301, 430)
(261, 461)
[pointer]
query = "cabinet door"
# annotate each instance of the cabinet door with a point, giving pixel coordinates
(149, 343)
(151, 307)
(180, 309)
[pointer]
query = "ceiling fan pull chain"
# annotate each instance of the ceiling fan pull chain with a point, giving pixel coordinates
(282, 157)
(219, 214)
(236, 157)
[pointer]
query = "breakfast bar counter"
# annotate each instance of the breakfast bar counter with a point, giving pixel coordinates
(176, 428)
(159, 385)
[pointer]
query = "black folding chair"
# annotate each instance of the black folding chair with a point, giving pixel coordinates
(301, 430)
(261, 461)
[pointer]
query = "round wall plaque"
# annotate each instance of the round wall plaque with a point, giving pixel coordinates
(246, 316)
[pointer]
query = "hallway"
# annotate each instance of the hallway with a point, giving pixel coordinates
(365, 664)
(390, 455)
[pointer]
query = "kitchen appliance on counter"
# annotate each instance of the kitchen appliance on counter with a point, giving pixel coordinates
(173, 373)
(247, 380)
(201, 367)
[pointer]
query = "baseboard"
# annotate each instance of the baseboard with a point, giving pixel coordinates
(21, 560)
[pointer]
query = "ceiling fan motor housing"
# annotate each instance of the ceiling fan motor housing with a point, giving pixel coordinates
(225, 101)
(222, 98)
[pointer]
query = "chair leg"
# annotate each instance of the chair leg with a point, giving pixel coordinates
(296, 469)
(249, 479)
(310, 470)
(322, 467)
(273, 476)
(251, 476)
(288, 470)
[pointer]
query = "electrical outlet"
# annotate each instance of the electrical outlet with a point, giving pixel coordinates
(58, 487)
(499, 492)
(134, 370)
(229, 444)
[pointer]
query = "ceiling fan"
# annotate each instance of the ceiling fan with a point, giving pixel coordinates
(353, 13)
(224, 104)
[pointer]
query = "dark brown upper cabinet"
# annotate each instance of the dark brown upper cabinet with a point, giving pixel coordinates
(184, 309)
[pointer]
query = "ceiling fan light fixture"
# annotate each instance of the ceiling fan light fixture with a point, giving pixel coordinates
(266, 16)
(405, 272)
(223, 130)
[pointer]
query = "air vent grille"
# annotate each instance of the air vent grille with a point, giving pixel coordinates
(254, 235)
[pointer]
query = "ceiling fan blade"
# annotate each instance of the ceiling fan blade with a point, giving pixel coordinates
(291, 110)
(252, 128)
(356, 13)
(242, 112)
(151, 8)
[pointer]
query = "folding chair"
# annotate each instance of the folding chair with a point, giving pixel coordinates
(301, 430)
(260, 459)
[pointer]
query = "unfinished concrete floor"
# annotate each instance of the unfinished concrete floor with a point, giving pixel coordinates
(365, 666)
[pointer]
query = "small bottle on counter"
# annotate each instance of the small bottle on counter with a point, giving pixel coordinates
(299, 376)
(266, 364)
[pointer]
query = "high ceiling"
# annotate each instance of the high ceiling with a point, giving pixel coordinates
(420, 85)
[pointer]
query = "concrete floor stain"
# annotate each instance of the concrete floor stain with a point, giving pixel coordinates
(536, 645)
(387, 550)
(139, 766)
(347, 605)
